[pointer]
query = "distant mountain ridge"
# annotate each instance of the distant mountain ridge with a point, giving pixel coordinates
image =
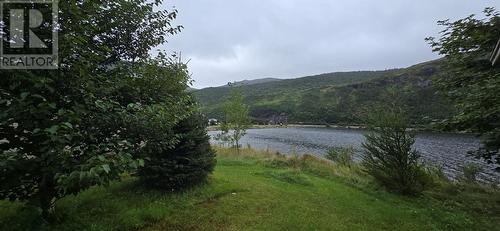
(336, 98)
(251, 82)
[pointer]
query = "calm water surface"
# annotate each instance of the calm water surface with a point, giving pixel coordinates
(446, 150)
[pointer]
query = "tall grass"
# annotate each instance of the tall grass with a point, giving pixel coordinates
(352, 174)
(455, 194)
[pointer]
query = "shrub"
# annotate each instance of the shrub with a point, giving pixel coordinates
(63, 131)
(389, 156)
(186, 164)
(341, 155)
(470, 172)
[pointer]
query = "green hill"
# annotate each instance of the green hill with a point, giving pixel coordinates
(337, 98)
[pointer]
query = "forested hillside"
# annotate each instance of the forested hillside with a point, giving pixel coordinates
(338, 98)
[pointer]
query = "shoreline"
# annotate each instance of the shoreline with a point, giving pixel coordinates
(352, 127)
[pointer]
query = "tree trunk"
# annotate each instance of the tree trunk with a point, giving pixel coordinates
(47, 198)
(238, 147)
(48, 210)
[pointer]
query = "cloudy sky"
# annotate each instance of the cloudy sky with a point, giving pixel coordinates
(232, 40)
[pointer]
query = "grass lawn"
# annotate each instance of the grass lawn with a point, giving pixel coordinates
(253, 192)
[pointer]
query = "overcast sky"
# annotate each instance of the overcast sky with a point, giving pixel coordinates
(233, 40)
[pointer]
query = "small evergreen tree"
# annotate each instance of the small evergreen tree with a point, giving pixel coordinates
(388, 153)
(186, 164)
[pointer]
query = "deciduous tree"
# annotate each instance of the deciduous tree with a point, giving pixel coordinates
(62, 131)
(471, 80)
(236, 122)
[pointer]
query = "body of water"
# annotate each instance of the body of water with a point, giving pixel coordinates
(446, 150)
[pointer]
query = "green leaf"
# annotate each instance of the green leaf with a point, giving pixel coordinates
(68, 125)
(106, 168)
(24, 95)
(52, 130)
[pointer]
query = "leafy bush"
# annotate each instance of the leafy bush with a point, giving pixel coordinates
(389, 154)
(341, 155)
(62, 131)
(188, 163)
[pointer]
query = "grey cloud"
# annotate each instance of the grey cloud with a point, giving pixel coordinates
(233, 40)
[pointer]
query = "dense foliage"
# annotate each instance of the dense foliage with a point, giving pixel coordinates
(337, 97)
(471, 81)
(388, 151)
(188, 163)
(62, 131)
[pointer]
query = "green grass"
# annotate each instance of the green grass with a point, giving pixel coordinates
(262, 191)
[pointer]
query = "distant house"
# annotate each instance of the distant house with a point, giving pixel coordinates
(212, 122)
(495, 57)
